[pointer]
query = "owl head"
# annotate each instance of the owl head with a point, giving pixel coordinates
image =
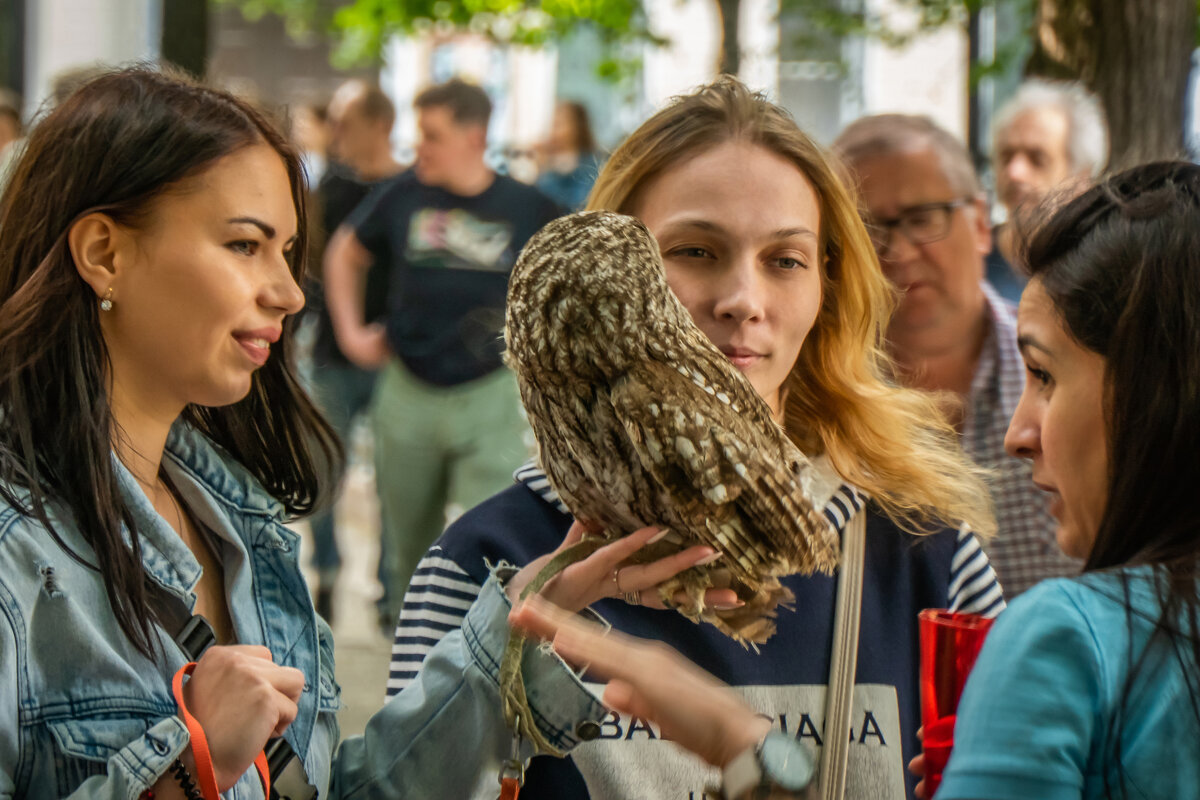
(586, 296)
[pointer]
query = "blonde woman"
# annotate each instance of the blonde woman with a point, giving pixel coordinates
(763, 245)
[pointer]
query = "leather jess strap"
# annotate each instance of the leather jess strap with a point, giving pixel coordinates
(206, 774)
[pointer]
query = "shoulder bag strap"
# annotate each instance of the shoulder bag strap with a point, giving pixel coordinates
(839, 698)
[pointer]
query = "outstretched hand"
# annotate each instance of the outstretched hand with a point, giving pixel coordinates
(652, 681)
(607, 573)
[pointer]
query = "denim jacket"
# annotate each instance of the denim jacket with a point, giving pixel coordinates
(83, 714)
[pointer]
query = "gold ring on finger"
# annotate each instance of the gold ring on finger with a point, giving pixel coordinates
(634, 598)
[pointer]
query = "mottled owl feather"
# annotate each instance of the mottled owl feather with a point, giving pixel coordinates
(641, 420)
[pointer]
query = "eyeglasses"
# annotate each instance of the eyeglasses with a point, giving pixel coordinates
(921, 224)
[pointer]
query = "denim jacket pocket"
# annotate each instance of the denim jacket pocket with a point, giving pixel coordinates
(83, 746)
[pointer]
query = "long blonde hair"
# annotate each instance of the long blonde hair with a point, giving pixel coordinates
(893, 443)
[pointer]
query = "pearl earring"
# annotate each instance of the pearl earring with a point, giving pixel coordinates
(106, 303)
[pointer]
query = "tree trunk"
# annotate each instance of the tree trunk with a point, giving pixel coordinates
(731, 55)
(1135, 55)
(12, 45)
(185, 34)
(1142, 76)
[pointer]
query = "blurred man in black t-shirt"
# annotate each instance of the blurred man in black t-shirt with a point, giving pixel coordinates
(360, 118)
(449, 429)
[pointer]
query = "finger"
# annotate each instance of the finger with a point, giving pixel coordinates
(723, 599)
(248, 650)
(620, 696)
(536, 616)
(917, 766)
(714, 599)
(607, 655)
(288, 681)
(287, 711)
(602, 563)
(920, 790)
(516, 585)
(644, 576)
(621, 549)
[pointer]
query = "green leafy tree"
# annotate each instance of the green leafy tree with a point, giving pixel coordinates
(1134, 54)
(361, 28)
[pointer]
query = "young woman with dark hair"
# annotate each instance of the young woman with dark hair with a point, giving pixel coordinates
(153, 436)
(153, 442)
(1090, 687)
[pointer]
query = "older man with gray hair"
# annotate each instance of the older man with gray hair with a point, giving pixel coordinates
(1048, 136)
(952, 333)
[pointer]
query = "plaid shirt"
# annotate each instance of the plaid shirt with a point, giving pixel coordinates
(1024, 550)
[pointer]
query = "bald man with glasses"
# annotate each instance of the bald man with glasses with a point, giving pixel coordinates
(952, 333)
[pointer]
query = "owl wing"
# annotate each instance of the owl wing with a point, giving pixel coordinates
(736, 484)
(587, 458)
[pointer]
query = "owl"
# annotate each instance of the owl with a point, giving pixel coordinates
(640, 420)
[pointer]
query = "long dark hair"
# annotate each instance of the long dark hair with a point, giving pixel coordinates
(114, 146)
(1121, 264)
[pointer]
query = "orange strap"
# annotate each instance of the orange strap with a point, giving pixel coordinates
(207, 774)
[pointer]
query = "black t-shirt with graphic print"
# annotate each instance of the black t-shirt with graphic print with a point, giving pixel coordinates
(450, 258)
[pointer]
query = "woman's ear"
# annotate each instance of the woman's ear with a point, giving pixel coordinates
(95, 242)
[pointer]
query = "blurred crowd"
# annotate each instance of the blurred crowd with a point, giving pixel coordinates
(371, 336)
(1049, 140)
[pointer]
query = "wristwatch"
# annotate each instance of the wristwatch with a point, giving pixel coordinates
(778, 766)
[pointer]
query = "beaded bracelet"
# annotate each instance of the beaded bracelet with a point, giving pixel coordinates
(185, 781)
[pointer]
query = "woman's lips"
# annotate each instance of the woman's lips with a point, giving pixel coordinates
(1055, 505)
(256, 348)
(257, 343)
(742, 357)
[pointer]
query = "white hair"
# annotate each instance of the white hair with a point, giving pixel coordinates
(1087, 133)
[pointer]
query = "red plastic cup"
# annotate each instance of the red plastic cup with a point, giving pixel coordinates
(950, 643)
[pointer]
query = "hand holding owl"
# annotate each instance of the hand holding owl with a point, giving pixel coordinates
(609, 573)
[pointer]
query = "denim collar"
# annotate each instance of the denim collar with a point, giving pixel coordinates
(166, 558)
(220, 473)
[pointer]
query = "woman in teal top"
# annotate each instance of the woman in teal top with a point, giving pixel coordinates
(1090, 687)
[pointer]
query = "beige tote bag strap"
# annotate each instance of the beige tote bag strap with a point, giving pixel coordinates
(839, 698)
